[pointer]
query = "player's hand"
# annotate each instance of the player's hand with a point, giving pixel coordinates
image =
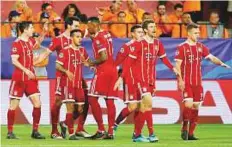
(181, 85)
(30, 74)
(153, 92)
(70, 75)
(118, 83)
(225, 65)
(175, 71)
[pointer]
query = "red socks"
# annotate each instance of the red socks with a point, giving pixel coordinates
(111, 110)
(123, 114)
(97, 112)
(139, 119)
(36, 118)
(70, 123)
(186, 117)
(55, 113)
(10, 120)
(149, 120)
(193, 121)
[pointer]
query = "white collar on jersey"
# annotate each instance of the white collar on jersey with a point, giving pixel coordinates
(74, 48)
(98, 33)
(190, 42)
(65, 35)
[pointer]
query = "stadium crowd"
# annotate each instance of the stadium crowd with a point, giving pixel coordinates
(118, 21)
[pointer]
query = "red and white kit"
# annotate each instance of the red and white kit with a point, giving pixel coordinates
(191, 57)
(58, 44)
(20, 82)
(106, 73)
(71, 59)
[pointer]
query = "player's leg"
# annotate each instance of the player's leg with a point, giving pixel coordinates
(14, 103)
(15, 93)
(197, 98)
(36, 114)
(186, 114)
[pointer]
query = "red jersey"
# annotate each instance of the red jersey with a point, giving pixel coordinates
(145, 55)
(71, 59)
(59, 42)
(103, 42)
(191, 57)
(24, 50)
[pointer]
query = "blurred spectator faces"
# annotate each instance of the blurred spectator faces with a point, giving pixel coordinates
(147, 16)
(116, 5)
(121, 16)
(47, 7)
(186, 18)
(161, 9)
(14, 16)
(178, 9)
(132, 6)
(214, 18)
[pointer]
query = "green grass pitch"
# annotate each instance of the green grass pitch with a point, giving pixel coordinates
(211, 135)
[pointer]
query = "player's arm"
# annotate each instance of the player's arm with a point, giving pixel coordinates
(179, 77)
(17, 64)
(102, 58)
(61, 68)
(217, 61)
(41, 57)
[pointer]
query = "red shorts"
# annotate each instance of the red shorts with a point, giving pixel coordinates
(131, 93)
(18, 88)
(75, 95)
(103, 85)
(60, 82)
(193, 92)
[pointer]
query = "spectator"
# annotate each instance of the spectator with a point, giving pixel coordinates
(44, 27)
(47, 7)
(21, 7)
(193, 8)
(146, 16)
(175, 17)
(58, 26)
(134, 14)
(72, 10)
(215, 29)
(180, 30)
(9, 29)
(119, 30)
(107, 14)
(161, 18)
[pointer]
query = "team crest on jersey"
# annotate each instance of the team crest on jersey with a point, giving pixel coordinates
(61, 55)
(122, 50)
(200, 49)
(156, 48)
(185, 94)
(132, 49)
(14, 49)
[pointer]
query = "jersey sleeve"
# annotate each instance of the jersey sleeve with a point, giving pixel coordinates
(179, 53)
(54, 45)
(101, 44)
(161, 52)
(122, 54)
(205, 51)
(61, 58)
(16, 49)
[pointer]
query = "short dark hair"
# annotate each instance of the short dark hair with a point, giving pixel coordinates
(192, 26)
(70, 20)
(178, 6)
(134, 27)
(160, 4)
(23, 25)
(214, 12)
(45, 5)
(146, 13)
(146, 23)
(94, 19)
(75, 31)
(121, 12)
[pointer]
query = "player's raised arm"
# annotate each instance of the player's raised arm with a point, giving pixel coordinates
(42, 57)
(217, 61)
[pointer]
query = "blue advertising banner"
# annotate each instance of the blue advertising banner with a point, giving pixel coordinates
(222, 48)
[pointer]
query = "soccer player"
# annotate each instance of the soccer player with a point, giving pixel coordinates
(57, 45)
(188, 58)
(23, 79)
(151, 49)
(104, 78)
(69, 62)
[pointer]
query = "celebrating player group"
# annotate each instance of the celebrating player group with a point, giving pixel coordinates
(136, 74)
